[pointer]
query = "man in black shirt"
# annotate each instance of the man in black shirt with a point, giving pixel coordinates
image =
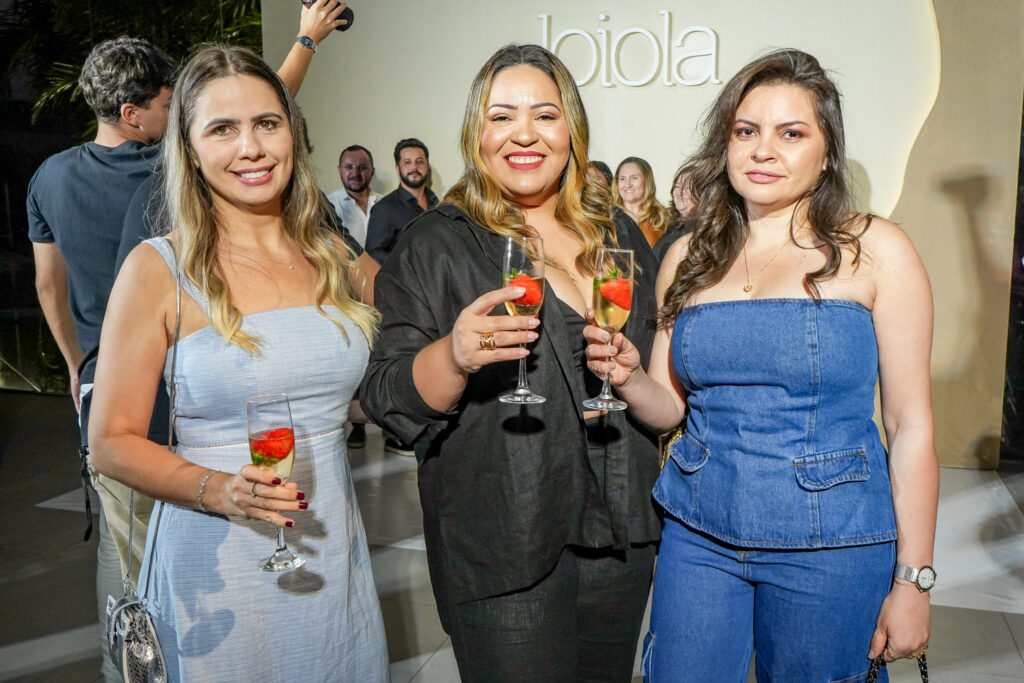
(391, 214)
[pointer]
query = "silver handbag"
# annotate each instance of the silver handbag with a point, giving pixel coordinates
(131, 638)
(133, 643)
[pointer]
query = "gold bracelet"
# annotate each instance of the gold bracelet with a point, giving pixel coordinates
(202, 490)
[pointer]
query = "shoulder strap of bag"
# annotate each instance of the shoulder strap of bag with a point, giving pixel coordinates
(128, 587)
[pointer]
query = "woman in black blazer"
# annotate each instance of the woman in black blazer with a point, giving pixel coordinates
(539, 526)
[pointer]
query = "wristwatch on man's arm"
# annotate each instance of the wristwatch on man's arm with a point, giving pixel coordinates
(923, 578)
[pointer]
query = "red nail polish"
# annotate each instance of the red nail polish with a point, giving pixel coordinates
(300, 495)
(277, 480)
(289, 524)
(303, 505)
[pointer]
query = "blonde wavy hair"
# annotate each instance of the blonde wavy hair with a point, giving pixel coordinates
(582, 208)
(189, 219)
(650, 208)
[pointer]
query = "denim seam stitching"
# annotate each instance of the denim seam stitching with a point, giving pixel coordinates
(846, 303)
(846, 453)
(768, 544)
(812, 413)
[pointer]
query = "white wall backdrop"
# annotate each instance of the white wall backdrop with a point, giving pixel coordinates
(405, 67)
(935, 149)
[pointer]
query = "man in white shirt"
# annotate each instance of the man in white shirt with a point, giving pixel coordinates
(353, 202)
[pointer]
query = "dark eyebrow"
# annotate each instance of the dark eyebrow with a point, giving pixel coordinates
(786, 124)
(220, 122)
(213, 123)
(538, 105)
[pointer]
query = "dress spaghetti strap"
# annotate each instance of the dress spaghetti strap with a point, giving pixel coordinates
(166, 250)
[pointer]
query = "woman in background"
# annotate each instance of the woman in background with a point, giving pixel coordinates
(538, 520)
(784, 515)
(679, 210)
(633, 189)
(268, 305)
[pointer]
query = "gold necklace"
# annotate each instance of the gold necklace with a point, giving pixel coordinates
(746, 269)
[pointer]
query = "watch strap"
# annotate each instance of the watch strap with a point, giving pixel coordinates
(906, 573)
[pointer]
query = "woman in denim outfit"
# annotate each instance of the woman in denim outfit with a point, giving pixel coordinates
(785, 517)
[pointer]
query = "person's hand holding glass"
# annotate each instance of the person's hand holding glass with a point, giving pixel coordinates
(479, 338)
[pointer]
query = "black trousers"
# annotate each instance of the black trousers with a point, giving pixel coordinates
(581, 622)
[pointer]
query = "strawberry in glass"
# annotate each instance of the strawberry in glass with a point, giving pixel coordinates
(613, 297)
(530, 302)
(274, 450)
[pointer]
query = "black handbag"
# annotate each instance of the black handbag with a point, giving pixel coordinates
(131, 638)
(878, 662)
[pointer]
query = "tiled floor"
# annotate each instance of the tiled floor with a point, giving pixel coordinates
(47, 614)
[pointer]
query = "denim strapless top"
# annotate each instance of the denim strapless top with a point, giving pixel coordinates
(779, 450)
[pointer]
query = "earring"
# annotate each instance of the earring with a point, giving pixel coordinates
(824, 166)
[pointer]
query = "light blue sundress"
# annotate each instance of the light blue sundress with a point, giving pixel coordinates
(219, 617)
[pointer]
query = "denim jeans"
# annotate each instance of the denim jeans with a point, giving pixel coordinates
(808, 614)
(581, 622)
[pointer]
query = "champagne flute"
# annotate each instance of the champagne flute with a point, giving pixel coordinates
(272, 447)
(524, 267)
(613, 297)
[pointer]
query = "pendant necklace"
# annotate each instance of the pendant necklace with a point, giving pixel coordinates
(746, 269)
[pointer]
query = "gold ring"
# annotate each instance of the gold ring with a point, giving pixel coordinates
(252, 493)
(487, 341)
(920, 653)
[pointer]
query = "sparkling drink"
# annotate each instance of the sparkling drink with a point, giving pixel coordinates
(274, 450)
(613, 299)
(524, 267)
(272, 447)
(529, 303)
(609, 316)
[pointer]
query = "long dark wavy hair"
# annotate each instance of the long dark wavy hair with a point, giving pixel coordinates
(583, 209)
(721, 224)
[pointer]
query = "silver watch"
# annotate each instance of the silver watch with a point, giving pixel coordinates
(306, 42)
(923, 578)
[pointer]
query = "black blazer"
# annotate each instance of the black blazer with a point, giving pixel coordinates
(503, 487)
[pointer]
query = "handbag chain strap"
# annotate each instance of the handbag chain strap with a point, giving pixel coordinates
(878, 662)
(129, 588)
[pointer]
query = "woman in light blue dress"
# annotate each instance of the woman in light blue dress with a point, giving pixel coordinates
(268, 305)
(790, 531)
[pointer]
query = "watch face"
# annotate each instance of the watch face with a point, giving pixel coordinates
(926, 578)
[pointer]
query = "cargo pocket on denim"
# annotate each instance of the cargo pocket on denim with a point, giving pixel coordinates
(821, 471)
(688, 453)
(645, 661)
